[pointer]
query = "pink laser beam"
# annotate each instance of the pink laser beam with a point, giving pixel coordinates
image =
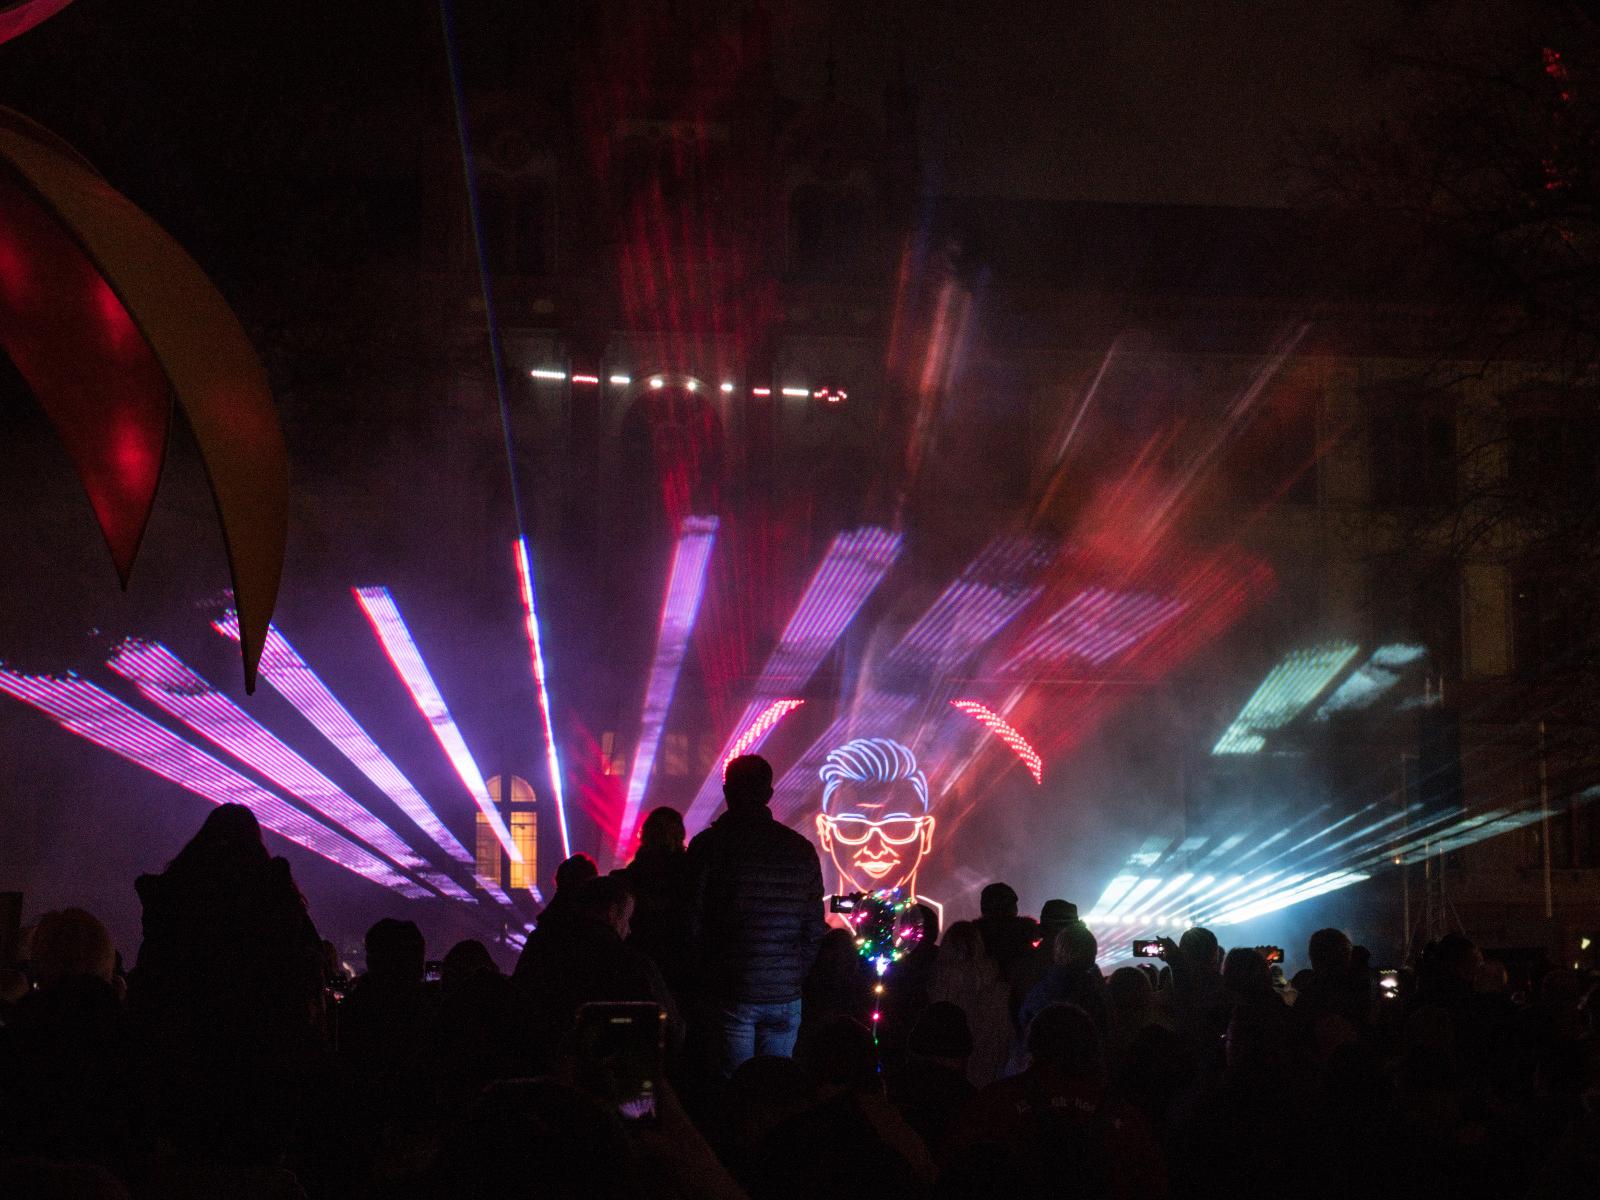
(685, 587)
(530, 617)
(1007, 733)
(97, 716)
(407, 661)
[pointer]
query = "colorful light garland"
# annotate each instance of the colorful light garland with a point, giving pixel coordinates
(884, 935)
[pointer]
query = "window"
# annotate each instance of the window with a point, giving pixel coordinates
(612, 761)
(1553, 442)
(516, 801)
(1411, 444)
(525, 837)
(487, 850)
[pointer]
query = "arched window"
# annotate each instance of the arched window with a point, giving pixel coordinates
(516, 801)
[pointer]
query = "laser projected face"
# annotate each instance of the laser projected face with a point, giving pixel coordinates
(874, 822)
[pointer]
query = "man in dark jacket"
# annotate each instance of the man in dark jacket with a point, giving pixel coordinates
(759, 920)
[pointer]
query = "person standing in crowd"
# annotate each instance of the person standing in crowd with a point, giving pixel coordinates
(1056, 1130)
(662, 881)
(69, 1087)
(967, 977)
(1027, 970)
(227, 991)
(1073, 979)
(758, 916)
(382, 1020)
(584, 958)
(1333, 987)
(1006, 936)
(571, 875)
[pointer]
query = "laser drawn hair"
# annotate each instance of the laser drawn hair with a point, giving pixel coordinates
(871, 760)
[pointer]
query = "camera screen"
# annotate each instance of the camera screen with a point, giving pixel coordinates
(619, 1053)
(1147, 948)
(844, 904)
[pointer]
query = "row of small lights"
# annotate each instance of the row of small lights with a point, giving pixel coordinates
(554, 375)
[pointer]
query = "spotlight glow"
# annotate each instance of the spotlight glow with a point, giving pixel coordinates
(620, 380)
(685, 587)
(1283, 695)
(548, 373)
(799, 392)
(1007, 733)
(292, 678)
(99, 717)
(726, 387)
(530, 620)
(589, 379)
(407, 661)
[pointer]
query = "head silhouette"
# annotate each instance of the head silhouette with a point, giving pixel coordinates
(998, 900)
(396, 952)
(874, 822)
(662, 830)
(70, 944)
(747, 783)
(575, 871)
(230, 837)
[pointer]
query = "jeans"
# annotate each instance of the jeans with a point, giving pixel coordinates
(746, 1030)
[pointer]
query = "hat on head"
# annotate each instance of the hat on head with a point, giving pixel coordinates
(1058, 912)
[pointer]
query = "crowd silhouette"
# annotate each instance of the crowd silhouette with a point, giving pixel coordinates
(232, 1060)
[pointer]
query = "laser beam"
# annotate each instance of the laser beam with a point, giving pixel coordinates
(172, 686)
(407, 661)
(685, 586)
(530, 618)
(851, 570)
(1283, 695)
(288, 674)
(92, 713)
(753, 734)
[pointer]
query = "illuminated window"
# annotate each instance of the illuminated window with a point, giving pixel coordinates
(516, 801)
(525, 836)
(487, 848)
